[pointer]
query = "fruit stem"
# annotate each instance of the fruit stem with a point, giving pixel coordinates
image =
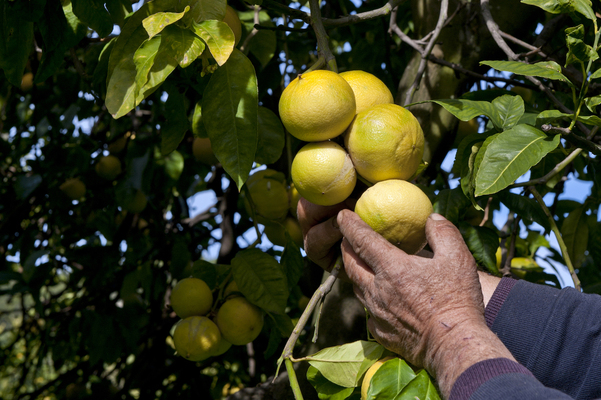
(562, 245)
(298, 395)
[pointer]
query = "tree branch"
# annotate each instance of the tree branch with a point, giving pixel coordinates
(323, 45)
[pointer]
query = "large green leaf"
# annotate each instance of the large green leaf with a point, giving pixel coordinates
(577, 49)
(390, 379)
(552, 115)
(483, 243)
(271, 137)
(468, 109)
(450, 203)
(544, 69)
(204, 10)
(525, 207)
(16, 42)
(263, 45)
(93, 14)
(261, 280)
(219, 38)
(574, 232)
(510, 108)
(421, 388)
(327, 390)
(565, 6)
(177, 121)
(230, 107)
(510, 155)
(345, 365)
(155, 23)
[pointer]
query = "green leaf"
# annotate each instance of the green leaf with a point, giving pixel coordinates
(535, 241)
(204, 270)
(26, 184)
(574, 232)
(390, 379)
(198, 129)
(450, 203)
(525, 207)
(577, 49)
(263, 45)
(510, 108)
(230, 108)
(510, 155)
(261, 280)
(420, 388)
(155, 23)
(565, 6)
(592, 102)
(177, 121)
(283, 323)
(595, 75)
(205, 10)
(327, 390)
(544, 69)
(219, 38)
(271, 137)
(483, 243)
(93, 14)
(345, 365)
(468, 109)
(16, 42)
(292, 263)
(118, 9)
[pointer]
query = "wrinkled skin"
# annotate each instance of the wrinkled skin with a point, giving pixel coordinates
(428, 310)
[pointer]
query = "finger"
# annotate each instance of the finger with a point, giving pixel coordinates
(368, 245)
(310, 214)
(320, 242)
(443, 237)
(360, 274)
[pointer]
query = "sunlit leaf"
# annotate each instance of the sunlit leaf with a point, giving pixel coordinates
(421, 387)
(155, 23)
(219, 39)
(577, 49)
(544, 69)
(327, 390)
(510, 108)
(468, 109)
(565, 6)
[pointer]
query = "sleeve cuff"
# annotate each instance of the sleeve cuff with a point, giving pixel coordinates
(473, 377)
(498, 298)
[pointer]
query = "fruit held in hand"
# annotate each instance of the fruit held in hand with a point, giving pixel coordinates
(316, 106)
(369, 90)
(385, 142)
(239, 321)
(397, 210)
(369, 374)
(108, 167)
(191, 296)
(196, 338)
(74, 188)
(323, 173)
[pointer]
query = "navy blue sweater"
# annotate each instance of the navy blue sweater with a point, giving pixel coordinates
(555, 335)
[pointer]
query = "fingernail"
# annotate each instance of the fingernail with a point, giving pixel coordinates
(437, 217)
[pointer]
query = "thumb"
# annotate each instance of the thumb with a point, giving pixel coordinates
(443, 237)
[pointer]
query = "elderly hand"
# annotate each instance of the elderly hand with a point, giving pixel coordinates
(428, 310)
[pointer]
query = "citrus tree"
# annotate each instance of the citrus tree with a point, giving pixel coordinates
(147, 192)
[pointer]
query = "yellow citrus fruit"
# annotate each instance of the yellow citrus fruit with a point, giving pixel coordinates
(276, 232)
(499, 257)
(369, 374)
(521, 265)
(137, 203)
(191, 296)
(118, 145)
(316, 106)
(232, 20)
(323, 173)
(369, 90)
(294, 198)
(27, 82)
(196, 338)
(239, 321)
(108, 167)
(397, 210)
(222, 347)
(74, 188)
(385, 142)
(269, 196)
(203, 152)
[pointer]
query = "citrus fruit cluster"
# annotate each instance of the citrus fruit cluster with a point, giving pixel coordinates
(203, 332)
(383, 144)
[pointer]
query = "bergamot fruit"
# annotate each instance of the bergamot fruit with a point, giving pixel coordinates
(196, 338)
(397, 210)
(268, 195)
(316, 106)
(369, 374)
(74, 188)
(323, 173)
(108, 167)
(239, 321)
(203, 152)
(369, 90)
(385, 142)
(276, 232)
(191, 296)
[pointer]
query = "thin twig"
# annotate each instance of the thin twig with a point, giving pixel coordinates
(323, 46)
(364, 16)
(493, 28)
(444, 6)
(253, 32)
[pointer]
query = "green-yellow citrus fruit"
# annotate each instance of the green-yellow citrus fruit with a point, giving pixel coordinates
(137, 203)
(466, 128)
(323, 173)
(294, 198)
(196, 338)
(269, 196)
(369, 90)
(74, 188)
(239, 321)
(118, 145)
(222, 347)
(191, 296)
(27, 82)
(385, 142)
(316, 106)
(369, 374)
(203, 152)
(397, 210)
(521, 265)
(108, 167)
(232, 20)
(276, 232)
(499, 257)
